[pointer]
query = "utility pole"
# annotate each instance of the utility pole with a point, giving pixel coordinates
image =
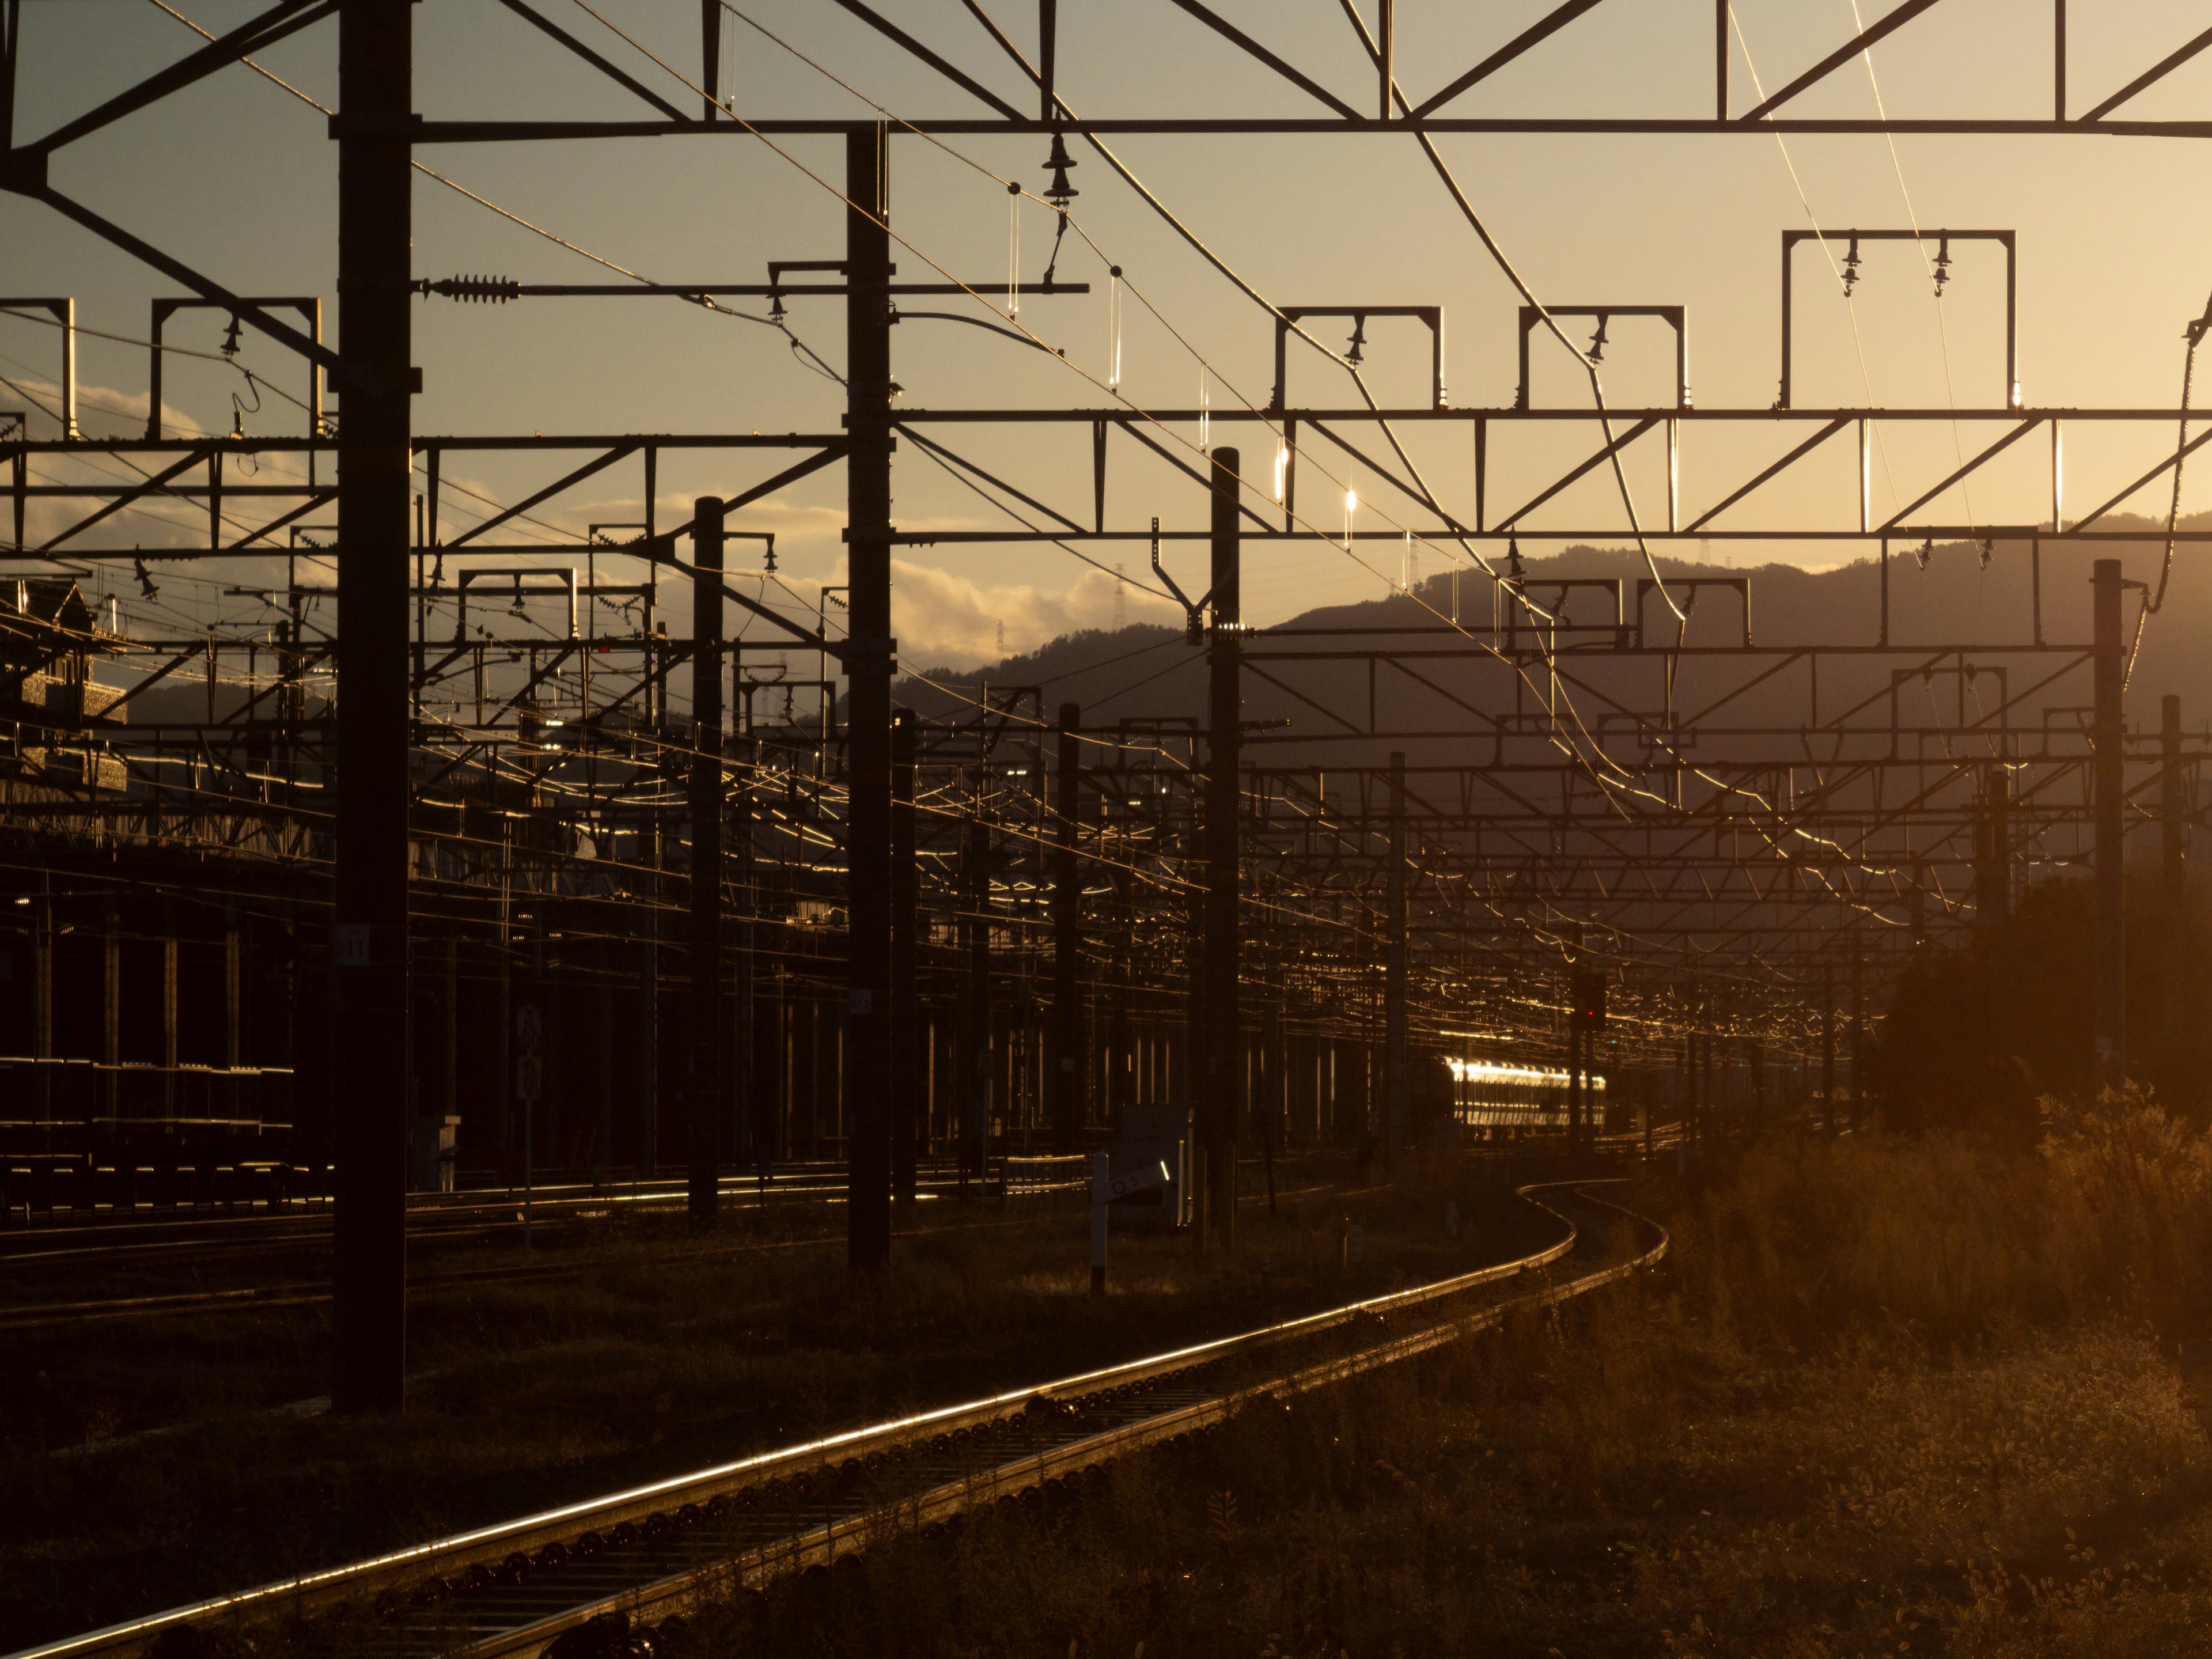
(703, 1100)
(1394, 968)
(1223, 1073)
(1993, 848)
(1188, 1086)
(2172, 810)
(2110, 784)
(1068, 1078)
(976, 1013)
(1858, 1031)
(2172, 838)
(368, 939)
(746, 1132)
(648, 1061)
(868, 670)
(907, 1069)
(1828, 1048)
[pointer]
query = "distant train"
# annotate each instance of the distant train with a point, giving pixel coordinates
(1503, 1100)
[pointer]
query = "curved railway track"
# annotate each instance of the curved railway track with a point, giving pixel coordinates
(652, 1552)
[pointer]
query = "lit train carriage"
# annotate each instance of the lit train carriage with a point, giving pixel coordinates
(1503, 1101)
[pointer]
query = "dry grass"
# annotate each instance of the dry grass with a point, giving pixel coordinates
(1893, 1398)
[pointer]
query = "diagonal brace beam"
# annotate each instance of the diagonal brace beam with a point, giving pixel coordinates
(1543, 29)
(1602, 456)
(1836, 59)
(610, 70)
(1184, 467)
(149, 486)
(2002, 444)
(284, 19)
(554, 488)
(1786, 461)
(959, 77)
(283, 333)
(1228, 31)
(2157, 72)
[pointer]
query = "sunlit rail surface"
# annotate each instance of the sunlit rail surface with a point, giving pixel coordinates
(651, 1552)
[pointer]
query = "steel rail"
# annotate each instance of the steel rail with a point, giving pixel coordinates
(645, 1510)
(257, 1298)
(683, 1592)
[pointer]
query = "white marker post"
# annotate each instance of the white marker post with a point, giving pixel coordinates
(1105, 1188)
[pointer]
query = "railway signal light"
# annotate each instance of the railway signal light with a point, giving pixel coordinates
(1590, 1000)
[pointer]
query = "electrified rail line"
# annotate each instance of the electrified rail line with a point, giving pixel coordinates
(657, 1552)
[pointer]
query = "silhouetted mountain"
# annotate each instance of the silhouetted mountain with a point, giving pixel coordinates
(1956, 603)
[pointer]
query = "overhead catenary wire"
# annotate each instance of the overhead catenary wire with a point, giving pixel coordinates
(565, 244)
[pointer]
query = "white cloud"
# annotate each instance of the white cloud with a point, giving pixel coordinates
(946, 619)
(941, 618)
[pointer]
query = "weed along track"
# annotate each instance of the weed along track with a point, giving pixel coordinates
(657, 1553)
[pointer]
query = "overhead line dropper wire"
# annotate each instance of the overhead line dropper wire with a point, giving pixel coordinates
(2155, 601)
(252, 378)
(1535, 610)
(1550, 324)
(1517, 595)
(705, 301)
(1913, 218)
(797, 345)
(1798, 833)
(609, 264)
(1505, 265)
(1805, 201)
(1069, 219)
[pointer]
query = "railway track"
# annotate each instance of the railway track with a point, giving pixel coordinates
(47, 1316)
(488, 1214)
(657, 1552)
(308, 1294)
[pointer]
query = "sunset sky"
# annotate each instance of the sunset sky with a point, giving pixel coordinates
(235, 176)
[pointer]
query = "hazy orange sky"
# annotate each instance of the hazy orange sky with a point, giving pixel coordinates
(235, 176)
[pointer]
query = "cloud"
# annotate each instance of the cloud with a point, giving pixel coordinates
(941, 618)
(946, 620)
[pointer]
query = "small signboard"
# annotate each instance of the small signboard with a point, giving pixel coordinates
(529, 1078)
(1134, 1181)
(349, 945)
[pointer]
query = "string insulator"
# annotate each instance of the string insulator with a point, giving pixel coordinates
(491, 290)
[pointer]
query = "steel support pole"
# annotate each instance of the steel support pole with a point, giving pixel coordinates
(1222, 1092)
(1858, 1030)
(703, 1098)
(1394, 968)
(1068, 1078)
(2172, 807)
(747, 1130)
(868, 670)
(370, 1037)
(1574, 1071)
(1827, 1049)
(648, 1057)
(2110, 782)
(909, 1067)
(1185, 1073)
(2000, 807)
(975, 1104)
(2172, 846)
